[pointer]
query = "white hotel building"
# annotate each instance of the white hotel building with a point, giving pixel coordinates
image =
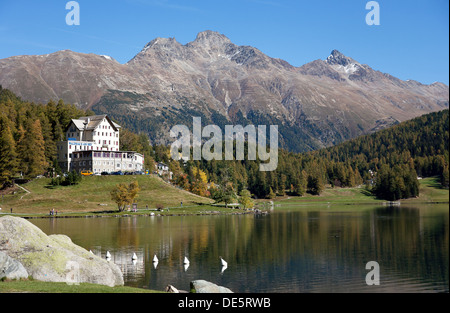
(93, 144)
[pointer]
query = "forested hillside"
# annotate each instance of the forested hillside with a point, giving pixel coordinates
(388, 161)
(28, 135)
(419, 145)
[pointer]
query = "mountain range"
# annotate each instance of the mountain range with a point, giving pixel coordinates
(319, 104)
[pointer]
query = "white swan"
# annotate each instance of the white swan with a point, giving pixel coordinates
(155, 259)
(134, 257)
(108, 255)
(224, 263)
(186, 261)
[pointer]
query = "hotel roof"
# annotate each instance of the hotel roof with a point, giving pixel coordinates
(92, 122)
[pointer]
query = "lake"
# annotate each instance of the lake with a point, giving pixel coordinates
(292, 249)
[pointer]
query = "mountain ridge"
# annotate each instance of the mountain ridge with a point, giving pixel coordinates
(317, 104)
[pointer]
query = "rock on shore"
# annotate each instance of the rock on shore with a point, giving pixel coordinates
(11, 268)
(46, 258)
(203, 286)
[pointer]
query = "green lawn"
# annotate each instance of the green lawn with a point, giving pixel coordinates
(49, 287)
(430, 191)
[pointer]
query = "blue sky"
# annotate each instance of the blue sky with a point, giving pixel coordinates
(411, 41)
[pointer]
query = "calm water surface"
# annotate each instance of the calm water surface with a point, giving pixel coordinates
(292, 249)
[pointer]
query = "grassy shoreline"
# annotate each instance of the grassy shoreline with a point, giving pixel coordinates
(94, 195)
(34, 286)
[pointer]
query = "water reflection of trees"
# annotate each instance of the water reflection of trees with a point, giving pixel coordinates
(305, 246)
(405, 241)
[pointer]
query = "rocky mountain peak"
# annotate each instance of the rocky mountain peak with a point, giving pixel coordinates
(337, 58)
(161, 42)
(212, 38)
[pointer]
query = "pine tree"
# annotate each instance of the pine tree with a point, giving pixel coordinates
(282, 185)
(229, 194)
(315, 184)
(300, 183)
(246, 199)
(271, 194)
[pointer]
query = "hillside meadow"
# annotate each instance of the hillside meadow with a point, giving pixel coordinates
(93, 195)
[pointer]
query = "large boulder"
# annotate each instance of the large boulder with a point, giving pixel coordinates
(203, 286)
(11, 268)
(54, 258)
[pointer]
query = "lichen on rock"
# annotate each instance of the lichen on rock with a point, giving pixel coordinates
(46, 257)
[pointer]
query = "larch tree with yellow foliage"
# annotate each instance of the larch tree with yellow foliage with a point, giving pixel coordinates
(199, 185)
(124, 194)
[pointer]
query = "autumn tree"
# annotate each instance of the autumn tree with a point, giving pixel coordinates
(8, 155)
(31, 150)
(199, 184)
(124, 194)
